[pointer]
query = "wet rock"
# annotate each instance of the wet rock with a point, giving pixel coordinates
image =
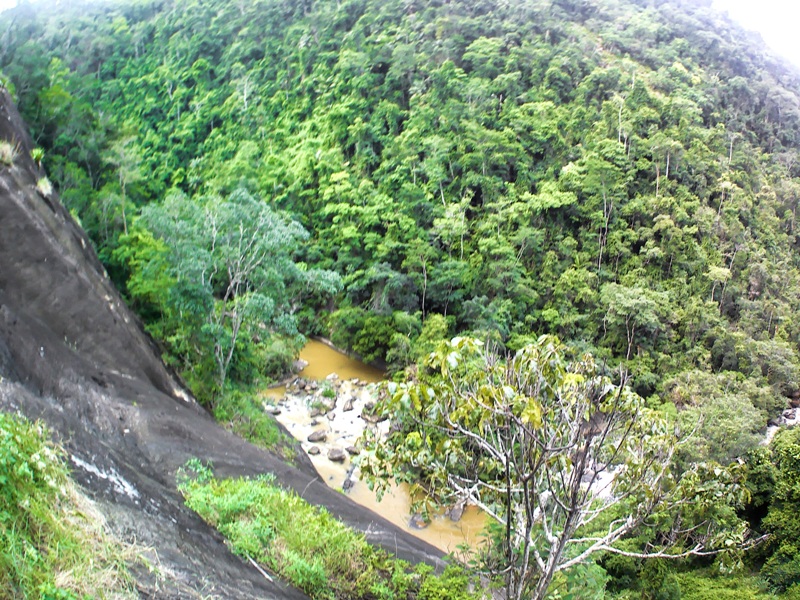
(273, 410)
(790, 415)
(370, 417)
(318, 436)
(326, 404)
(314, 422)
(347, 485)
(316, 412)
(417, 521)
(353, 451)
(337, 455)
(348, 405)
(456, 512)
(299, 365)
(314, 450)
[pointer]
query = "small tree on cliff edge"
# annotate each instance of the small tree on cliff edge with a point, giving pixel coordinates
(565, 461)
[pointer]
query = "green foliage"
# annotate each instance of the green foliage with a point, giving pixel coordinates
(37, 154)
(305, 544)
(502, 432)
(705, 585)
(722, 407)
(782, 569)
(51, 544)
(451, 585)
(220, 275)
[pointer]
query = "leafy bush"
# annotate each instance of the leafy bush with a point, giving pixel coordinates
(699, 585)
(452, 585)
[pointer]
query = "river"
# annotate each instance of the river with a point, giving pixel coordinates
(342, 426)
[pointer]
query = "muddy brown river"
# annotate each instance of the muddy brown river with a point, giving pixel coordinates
(350, 378)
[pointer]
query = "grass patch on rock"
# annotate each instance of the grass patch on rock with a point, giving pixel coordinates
(8, 153)
(306, 545)
(53, 542)
(240, 411)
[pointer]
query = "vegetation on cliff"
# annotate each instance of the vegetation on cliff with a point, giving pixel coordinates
(53, 544)
(306, 545)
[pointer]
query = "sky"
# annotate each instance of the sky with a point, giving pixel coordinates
(776, 20)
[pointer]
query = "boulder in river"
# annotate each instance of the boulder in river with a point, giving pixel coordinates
(318, 436)
(417, 521)
(353, 451)
(370, 417)
(348, 405)
(314, 450)
(337, 455)
(456, 511)
(325, 403)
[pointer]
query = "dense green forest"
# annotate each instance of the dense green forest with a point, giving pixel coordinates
(623, 174)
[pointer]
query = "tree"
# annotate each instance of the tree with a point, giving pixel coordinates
(125, 157)
(233, 273)
(636, 310)
(567, 463)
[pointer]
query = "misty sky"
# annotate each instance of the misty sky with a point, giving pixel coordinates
(776, 20)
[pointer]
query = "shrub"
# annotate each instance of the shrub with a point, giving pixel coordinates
(7, 153)
(37, 154)
(701, 585)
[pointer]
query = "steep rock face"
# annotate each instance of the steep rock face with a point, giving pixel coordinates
(72, 354)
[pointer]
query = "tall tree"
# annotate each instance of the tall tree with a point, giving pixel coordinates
(568, 463)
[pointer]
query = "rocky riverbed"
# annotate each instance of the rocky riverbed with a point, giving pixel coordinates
(328, 416)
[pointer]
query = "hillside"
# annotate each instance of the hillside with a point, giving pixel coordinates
(623, 174)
